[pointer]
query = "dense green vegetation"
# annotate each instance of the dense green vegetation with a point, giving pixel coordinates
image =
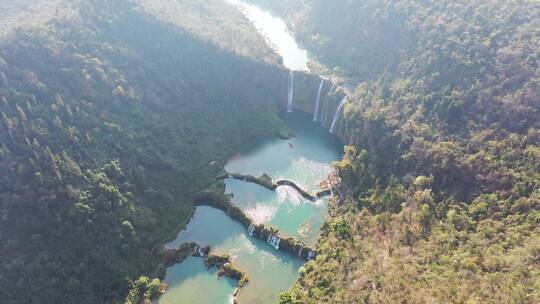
(444, 160)
(114, 113)
(110, 122)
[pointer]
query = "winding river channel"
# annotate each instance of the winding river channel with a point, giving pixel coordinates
(305, 159)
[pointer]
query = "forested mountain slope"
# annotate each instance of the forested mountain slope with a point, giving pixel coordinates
(444, 155)
(110, 120)
(19, 14)
(214, 21)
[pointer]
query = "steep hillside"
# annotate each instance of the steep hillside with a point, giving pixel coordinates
(214, 21)
(443, 162)
(15, 15)
(110, 121)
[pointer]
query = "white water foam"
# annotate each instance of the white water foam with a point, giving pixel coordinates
(262, 212)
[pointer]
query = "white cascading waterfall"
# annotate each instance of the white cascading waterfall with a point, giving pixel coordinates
(318, 101)
(198, 249)
(326, 105)
(251, 229)
(332, 88)
(337, 115)
(291, 92)
(324, 113)
(300, 252)
(311, 255)
(274, 241)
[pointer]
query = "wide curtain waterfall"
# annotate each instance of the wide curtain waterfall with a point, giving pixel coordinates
(318, 101)
(337, 115)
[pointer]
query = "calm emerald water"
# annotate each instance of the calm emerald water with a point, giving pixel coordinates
(186, 280)
(270, 271)
(277, 35)
(306, 160)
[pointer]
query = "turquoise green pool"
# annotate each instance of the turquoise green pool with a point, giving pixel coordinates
(304, 159)
(190, 283)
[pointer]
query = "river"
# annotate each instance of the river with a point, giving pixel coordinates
(277, 35)
(305, 159)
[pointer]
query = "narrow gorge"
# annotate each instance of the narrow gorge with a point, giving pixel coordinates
(269, 224)
(269, 151)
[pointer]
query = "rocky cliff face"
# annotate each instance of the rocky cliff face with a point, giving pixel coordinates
(305, 92)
